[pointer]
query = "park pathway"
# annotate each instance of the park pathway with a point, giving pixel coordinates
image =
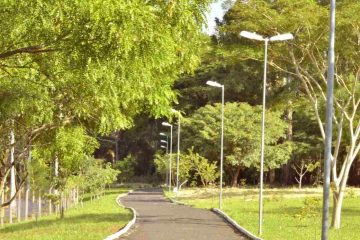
(159, 219)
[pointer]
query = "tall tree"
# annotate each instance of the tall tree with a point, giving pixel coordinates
(242, 134)
(90, 64)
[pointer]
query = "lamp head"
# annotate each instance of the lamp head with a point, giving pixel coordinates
(214, 84)
(282, 37)
(251, 35)
(166, 124)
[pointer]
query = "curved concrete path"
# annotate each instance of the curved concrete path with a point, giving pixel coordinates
(159, 219)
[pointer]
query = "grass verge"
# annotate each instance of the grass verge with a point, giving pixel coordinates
(288, 213)
(95, 220)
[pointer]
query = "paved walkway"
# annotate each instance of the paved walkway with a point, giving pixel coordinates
(159, 219)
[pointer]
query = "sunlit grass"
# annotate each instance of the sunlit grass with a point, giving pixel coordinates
(95, 220)
(282, 207)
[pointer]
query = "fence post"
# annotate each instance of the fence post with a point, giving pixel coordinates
(27, 203)
(50, 204)
(2, 213)
(39, 204)
(10, 212)
(19, 206)
(33, 204)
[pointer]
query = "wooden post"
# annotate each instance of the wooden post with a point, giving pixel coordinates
(50, 203)
(27, 203)
(39, 204)
(33, 204)
(10, 212)
(2, 213)
(19, 206)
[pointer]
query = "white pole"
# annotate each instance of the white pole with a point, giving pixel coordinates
(39, 204)
(263, 141)
(328, 126)
(171, 144)
(167, 165)
(222, 145)
(178, 157)
(19, 206)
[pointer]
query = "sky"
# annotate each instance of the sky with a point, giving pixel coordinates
(215, 11)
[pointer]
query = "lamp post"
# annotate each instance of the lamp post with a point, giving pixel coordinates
(255, 36)
(167, 145)
(218, 85)
(166, 175)
(328, 126)
(166, 124)
(178, 151)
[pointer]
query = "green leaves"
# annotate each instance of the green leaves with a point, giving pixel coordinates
(242, 135)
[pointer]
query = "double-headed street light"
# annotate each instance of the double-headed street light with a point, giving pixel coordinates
(166, 124)
(218, 85)
(255, 36)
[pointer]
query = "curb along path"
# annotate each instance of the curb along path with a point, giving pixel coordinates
(159, 219)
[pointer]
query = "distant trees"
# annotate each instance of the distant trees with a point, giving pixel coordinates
(242, 134)
(193, 168)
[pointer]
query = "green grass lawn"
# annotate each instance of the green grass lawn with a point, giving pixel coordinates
(95, 220)
(285, 215)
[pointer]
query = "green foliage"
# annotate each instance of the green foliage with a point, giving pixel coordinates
(192, 167)
(74, 69)
(206, 171)
(97, 219)
(311, 208)
(96, 175)
(126, 168)
(242, 134)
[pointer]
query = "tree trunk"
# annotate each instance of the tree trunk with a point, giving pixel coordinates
(338, 197)
(271, 176)
(300, 181)
(234, 181)
(336, 217)
(285, 170)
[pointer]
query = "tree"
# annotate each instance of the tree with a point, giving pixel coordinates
(89, 64)
(305, 59)
(126, 168)
(242, 134)
(203, 169)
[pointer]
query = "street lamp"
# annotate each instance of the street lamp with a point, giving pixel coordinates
(255, 36)
(167, 151)
(166, 124)
(178, 151)
(218, 85)
(328, 125)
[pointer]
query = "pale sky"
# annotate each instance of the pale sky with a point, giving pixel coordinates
(216, 11)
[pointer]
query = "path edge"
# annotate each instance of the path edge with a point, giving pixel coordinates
(235, 224)
(177, 202)
(127, 227)
(226, 217)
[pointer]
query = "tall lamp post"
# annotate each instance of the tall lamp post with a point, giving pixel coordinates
(178, 151)
(166, 124)
(218, 85)
(328, 126)
(254, 36)
(166, 151)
